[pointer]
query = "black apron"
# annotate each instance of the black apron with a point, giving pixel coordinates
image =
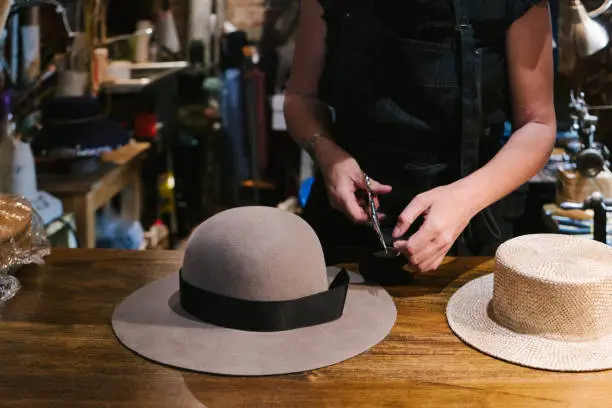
(411, 113)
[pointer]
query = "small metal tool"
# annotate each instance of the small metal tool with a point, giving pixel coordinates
(374, 222)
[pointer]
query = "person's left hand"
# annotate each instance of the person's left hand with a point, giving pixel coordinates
(446, 213)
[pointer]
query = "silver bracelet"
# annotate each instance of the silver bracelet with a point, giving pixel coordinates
(310, 146)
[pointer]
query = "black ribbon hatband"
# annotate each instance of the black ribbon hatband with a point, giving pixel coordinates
(265, 316)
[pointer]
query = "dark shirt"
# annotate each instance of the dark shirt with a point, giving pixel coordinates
(357, 69)
(432, 20)
(396, 91)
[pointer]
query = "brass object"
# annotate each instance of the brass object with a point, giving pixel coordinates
(589, 35)
(580, 35)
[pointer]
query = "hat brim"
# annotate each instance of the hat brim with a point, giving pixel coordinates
(467, 314)
(151, 323)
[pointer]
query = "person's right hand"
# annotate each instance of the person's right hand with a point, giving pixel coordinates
(344, 180)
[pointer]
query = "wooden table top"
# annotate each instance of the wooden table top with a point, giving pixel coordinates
(57, 349)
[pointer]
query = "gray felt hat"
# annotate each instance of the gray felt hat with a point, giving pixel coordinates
(254, 297)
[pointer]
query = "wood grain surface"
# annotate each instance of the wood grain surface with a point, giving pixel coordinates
(57, 349)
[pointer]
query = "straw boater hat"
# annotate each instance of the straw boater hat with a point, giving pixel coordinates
(254, 298)
(548, 304)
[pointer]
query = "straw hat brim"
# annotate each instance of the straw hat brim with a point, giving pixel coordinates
(151, 323)
(468, 317)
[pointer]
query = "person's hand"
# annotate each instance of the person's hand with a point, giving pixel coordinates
(446, 214)
(345, 181)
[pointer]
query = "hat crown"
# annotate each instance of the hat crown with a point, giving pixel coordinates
(71, 108)
(555, 286)
(255, 253)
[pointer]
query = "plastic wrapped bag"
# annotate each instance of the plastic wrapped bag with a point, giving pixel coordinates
(22, 241)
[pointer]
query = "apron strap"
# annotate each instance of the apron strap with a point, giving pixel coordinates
(469, 81)
(469, 107)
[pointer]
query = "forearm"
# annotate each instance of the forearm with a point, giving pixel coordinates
(306, 117)
(517, 162)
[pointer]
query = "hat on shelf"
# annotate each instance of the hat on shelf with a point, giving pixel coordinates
(254, 297)
(76, 126)
(548, 305)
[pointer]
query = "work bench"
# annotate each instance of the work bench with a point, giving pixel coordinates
(57, 349)
(83, 194)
